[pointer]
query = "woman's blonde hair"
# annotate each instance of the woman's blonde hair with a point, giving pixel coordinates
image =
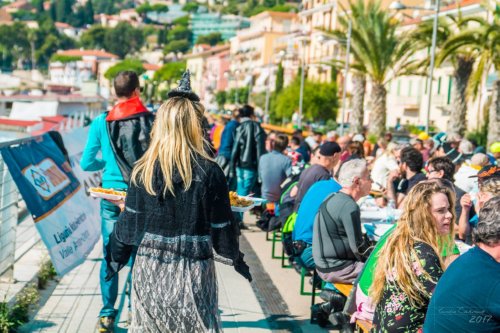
(491, 185)
(416, 224)
(176, 138)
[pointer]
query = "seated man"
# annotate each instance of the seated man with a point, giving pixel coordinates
(410, 174)
(303, 229)
(274, 168)
(443, 168)
(467, 297)
(339, 249)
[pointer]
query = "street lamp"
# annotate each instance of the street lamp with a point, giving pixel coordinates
(303, 41)
(396, 5)
(344, 92)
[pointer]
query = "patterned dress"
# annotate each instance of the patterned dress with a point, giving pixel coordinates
(174, 284)
(394, 312)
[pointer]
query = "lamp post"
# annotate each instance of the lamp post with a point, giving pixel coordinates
(396, 5)
(344, 91)
(303, 41)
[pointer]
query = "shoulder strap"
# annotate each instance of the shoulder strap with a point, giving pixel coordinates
(325, 214)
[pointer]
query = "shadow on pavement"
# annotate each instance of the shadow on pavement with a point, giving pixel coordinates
(275, 322)
(35, 324)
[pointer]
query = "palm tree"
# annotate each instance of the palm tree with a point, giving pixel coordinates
(483, 40)
(358, 102)
(377, 52)
(461, 58)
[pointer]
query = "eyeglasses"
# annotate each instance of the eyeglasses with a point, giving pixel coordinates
(431, 170)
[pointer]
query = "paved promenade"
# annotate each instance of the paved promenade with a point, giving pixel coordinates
(270, 303)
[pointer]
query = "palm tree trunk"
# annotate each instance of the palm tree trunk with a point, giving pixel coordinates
(378, 109)
(494, 121)
(358, 100)
(457, 124)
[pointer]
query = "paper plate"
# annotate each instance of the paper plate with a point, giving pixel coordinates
(106, 196)
(242, 209)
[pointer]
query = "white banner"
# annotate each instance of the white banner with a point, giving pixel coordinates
(67, 220)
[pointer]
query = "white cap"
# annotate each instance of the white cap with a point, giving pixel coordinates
(359, 138)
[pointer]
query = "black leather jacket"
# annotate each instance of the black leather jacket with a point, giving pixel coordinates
(249, 145)
(129, 140)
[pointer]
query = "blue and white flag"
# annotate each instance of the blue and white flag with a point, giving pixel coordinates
(64, 216)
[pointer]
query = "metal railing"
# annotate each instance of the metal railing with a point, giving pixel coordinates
(9, 212)
(9, 198)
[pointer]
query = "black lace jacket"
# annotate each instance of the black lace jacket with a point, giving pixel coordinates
(201, 213)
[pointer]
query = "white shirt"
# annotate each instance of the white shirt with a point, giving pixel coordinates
(381, 168)
(462, 179)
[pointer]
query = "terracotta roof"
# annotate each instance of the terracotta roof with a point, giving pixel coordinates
(130, 10)
(275, 14)
(461, 4)
(54, 119)
(62, 25)
(20, 123)
(18, 4)
(208, 52)
(68, 98)
(410, 21)
(81, 53)
(151, 67)
(5, 16)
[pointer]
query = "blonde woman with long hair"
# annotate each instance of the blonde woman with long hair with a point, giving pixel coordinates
(177, 212)
(409, 264)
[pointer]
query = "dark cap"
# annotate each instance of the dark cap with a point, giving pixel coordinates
(454, 155)
(487, 172)
(329, 148)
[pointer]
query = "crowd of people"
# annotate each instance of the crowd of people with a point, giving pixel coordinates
(412, 278)
(440, 186)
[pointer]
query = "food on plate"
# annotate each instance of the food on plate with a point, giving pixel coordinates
(107, 191)
(237, 201)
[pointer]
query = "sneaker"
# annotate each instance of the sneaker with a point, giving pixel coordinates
(106, 325)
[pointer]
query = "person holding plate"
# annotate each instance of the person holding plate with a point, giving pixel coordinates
(178, 213)
(121, 136)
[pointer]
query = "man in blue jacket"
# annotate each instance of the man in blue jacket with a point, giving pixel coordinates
(122, 137)
(226, 146)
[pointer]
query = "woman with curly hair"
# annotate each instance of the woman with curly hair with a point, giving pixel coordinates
(409, 264)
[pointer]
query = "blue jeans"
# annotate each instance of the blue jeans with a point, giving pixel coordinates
(109, 289)
(246, 179)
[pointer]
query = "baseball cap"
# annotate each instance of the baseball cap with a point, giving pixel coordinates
(487, 172)
(359, 138)
(329, 148)
(423, 136)
(495, 147)
(452, 153)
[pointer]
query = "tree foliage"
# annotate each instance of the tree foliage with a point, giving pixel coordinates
(175, 46)
(179, 32)
(279, 78)
(121, 40)
(191, 7)
(220, 99)
(93, 38)
(134, 65)
(378, 51)
(64, 58)
(170, 72)
(211, 39)
(320, 100)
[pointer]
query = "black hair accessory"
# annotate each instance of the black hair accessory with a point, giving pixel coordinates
(184, 89)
